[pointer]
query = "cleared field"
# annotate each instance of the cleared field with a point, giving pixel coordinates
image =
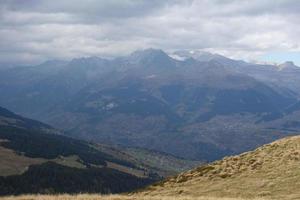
(12, 163)
(113, 197)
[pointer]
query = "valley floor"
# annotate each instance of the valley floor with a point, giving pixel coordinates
(112, 197)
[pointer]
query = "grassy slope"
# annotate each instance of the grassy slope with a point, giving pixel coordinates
(33, 161)
(27, 151)
(114, 197)
(158, 162)
(25, 135)
(137, 164)
(271, 171)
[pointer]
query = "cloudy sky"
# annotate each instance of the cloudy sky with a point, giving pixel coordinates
(32, 31)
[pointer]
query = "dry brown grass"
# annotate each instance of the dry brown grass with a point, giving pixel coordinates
(271, 171)
(112, 197)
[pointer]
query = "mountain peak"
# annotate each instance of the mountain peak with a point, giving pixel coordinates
(151, 57)
(287, 65)
(151, 52)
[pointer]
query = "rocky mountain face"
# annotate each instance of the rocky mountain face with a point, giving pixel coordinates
(281, 76)
(271, 171)
(211, 104)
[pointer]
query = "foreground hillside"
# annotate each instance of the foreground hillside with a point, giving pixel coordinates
(271, 171)
(115, 197)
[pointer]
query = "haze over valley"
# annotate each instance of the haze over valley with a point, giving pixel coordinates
(215, 105)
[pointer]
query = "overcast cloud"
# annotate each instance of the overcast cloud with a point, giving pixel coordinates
(33, 31)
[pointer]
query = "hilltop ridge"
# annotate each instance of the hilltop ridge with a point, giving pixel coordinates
(271, 171)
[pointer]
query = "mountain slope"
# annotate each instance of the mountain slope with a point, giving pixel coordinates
(34, 160)
(8, 118)
(271, 171)
(283, 77)
(162, 162)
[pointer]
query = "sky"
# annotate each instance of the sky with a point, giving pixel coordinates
(32, 31)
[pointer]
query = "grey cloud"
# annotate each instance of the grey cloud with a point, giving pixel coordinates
(32, 31)
(247, 7)
(97, 8)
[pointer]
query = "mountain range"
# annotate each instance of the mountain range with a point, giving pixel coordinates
(215, 106)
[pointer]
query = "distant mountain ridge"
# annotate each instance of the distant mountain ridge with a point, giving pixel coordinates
(215, 105)
(202, 56)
